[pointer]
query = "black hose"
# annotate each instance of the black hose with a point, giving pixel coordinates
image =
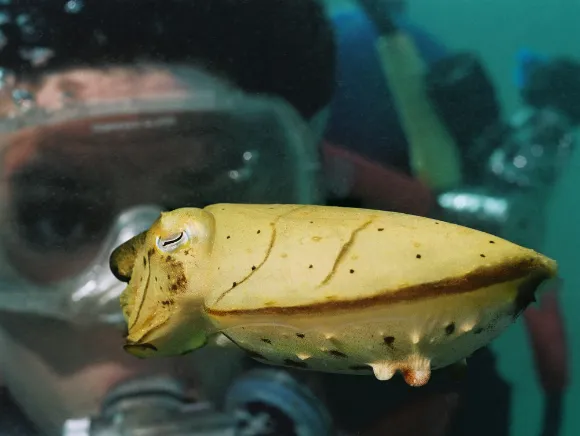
(553, 411)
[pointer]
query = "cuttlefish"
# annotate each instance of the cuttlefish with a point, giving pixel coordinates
(323, 288)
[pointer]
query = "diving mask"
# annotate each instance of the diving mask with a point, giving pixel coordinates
(76, 177)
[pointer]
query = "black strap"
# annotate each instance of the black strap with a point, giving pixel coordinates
(377, 11)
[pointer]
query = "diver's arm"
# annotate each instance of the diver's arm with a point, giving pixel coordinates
(376, 186)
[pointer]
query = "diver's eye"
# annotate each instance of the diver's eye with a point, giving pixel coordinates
(172, 242)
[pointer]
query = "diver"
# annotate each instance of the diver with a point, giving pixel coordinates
(111, 112)
(511, 168)
(464, 100)
(375, 156)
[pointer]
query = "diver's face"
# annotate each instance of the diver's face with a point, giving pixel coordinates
(64, 186)
(56, 371)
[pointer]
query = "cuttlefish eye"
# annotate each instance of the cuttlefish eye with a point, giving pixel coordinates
(172, 242)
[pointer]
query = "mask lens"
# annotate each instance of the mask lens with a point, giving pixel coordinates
(65, 184)
(55, 211)
(61, 200)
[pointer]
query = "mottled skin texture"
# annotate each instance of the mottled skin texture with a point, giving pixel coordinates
(323, 288)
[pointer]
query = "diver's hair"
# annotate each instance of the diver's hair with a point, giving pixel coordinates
(280, 47)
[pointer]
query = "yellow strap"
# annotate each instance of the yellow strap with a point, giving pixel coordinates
(434, 155)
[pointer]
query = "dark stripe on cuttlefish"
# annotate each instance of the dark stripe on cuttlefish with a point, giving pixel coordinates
(480, 278)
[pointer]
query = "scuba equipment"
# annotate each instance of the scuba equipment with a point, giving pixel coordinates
(465, 98)
(506, 195)
(262, 402)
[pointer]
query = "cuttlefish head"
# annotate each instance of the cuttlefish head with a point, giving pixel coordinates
(164, 271)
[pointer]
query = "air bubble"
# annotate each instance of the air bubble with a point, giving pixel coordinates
(23, 99)
(74, 6)
(240, 175)
(3, 78)
(37, 56)
(246, 171)
(23, 20)
(28, 27)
